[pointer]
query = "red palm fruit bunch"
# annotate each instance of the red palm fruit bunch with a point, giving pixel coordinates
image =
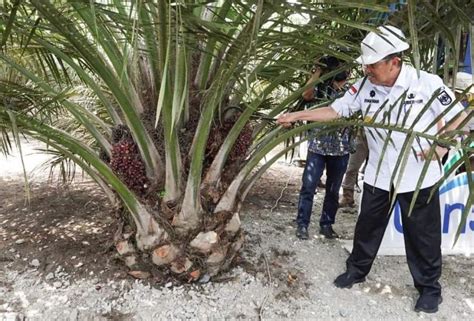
(241, 145)
(237, 155)
(128, 165)
(218, 135)
(216, 138)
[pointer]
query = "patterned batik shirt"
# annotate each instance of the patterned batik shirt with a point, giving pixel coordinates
(337, 142)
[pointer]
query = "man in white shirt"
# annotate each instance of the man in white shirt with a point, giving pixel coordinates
(394, 93)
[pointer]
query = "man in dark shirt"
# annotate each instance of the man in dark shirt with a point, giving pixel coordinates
(326, 151)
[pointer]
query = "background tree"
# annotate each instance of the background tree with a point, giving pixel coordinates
(168, 106)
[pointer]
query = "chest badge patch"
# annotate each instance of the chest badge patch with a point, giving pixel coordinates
(371, 100)
(444, 98)
(411, 100)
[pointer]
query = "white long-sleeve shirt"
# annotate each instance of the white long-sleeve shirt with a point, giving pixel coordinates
(400, 104)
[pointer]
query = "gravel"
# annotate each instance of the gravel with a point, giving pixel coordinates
(290, 279)
(280, 277)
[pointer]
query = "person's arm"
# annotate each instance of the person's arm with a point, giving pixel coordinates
(321, 114)
(441, 151)
(455, 124)
(341, 107)
(308, 94)
(438, 106)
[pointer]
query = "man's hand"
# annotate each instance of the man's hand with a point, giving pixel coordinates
(440, 152)
(285, 120)
(308, 94)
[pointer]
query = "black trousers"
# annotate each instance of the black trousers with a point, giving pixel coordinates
(421, 230)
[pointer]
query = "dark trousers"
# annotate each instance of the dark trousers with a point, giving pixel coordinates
(315, 164)
(421, 231)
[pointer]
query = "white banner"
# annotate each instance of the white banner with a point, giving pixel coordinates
(453, 199)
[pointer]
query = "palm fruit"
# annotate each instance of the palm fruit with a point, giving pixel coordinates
(242, 144)
(128, 165)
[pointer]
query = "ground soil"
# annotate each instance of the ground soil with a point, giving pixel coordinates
(57, 262)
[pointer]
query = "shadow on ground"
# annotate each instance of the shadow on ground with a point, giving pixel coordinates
(65, 229)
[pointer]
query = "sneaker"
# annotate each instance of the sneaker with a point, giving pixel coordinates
(428, 303)
(302, 233)
(328, 232)
(347, 280)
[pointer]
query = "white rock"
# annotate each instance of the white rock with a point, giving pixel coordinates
(205, 278)
(35, 263)
(386, 289)
(57, 284)
(20, 241)
(470, 304)
(12, 316)
(343, 313)
(50, 276)
(216, 257)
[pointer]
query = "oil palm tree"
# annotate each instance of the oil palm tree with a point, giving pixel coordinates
(168, 106)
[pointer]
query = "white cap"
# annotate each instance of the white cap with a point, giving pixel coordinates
(463, 81)
(376, 46)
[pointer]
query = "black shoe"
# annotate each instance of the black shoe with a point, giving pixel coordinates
(328, 232)
(347, 280)
(428, 303)
(302, 233)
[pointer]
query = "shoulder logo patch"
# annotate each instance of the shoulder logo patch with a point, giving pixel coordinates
(352, 90)
(444, 98)
(372, 93)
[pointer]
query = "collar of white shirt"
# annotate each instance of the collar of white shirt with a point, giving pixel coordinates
(403, 79)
